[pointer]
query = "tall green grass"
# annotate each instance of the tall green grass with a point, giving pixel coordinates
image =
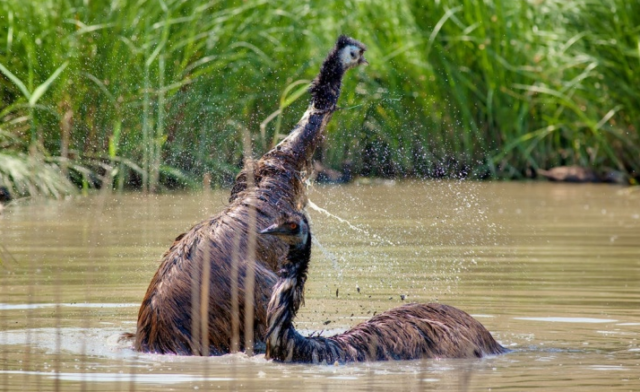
(155, 92)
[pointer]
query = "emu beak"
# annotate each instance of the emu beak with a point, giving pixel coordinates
(363, 61)
(273, 230)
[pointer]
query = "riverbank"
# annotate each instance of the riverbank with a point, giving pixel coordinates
(145, 96)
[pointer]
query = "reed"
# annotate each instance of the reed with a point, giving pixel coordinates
(154, 93)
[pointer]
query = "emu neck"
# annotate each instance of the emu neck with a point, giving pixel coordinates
(287, 295)
(325, 89)
(309, 132)
(293, 276)
(297, 263)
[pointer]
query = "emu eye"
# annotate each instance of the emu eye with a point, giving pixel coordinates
(353, 55)
(293, 226)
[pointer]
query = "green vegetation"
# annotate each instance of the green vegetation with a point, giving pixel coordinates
(150, 92)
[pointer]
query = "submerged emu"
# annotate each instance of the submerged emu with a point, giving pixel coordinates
(165, 322)
(408, 332)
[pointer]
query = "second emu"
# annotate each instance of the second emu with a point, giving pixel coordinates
(408, 332)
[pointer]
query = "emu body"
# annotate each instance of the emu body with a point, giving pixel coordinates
(408, 332)
(165, 316)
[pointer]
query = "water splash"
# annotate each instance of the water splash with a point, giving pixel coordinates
(328, 254)
(349, 224)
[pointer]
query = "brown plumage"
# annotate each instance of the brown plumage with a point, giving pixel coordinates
(165, 316)
(408, 332)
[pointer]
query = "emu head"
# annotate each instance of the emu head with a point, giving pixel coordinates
(350, 52)
(290, 228)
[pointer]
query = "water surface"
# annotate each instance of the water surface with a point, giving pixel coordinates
(552, 270)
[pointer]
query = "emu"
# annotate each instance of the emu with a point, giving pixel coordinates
(165, 320)
(408, 332)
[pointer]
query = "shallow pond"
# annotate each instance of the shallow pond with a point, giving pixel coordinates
(552, 270)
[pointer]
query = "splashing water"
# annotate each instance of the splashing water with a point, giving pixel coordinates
(330, 255)
(349, 224)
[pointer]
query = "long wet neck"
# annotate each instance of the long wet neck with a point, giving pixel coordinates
(297, 263)
(309, 132)
(284, 343)
(325, 89)
(288, 294)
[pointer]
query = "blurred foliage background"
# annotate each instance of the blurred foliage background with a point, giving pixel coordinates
(154, 93)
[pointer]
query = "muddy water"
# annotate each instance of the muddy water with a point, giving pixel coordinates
(553, 271)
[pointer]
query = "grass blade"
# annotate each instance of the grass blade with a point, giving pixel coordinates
(15, 81)
(41, 89)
